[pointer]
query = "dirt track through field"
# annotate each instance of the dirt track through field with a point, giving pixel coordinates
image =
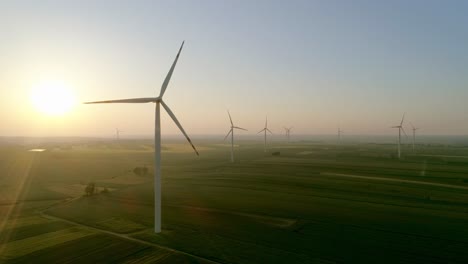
(451, 186)
(124, 236)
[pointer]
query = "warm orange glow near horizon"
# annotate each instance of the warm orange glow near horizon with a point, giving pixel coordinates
(53, 98)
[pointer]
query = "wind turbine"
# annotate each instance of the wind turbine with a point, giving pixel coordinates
(288, 132)
(231, 131)
(414, 135)
(265, 129)
(157, 137)
(400, 128)
(117, 133)
(339, 134)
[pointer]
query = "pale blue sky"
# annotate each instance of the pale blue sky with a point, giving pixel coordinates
(313, 65)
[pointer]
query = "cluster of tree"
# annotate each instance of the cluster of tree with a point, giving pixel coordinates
(91, 189)
(141, 171)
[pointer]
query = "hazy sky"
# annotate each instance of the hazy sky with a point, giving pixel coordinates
(313, 65)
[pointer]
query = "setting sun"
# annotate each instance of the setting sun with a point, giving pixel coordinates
(52, 98)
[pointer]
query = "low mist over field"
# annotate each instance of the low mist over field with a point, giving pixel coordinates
(316, 201)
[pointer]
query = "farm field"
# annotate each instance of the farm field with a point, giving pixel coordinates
(316, 202)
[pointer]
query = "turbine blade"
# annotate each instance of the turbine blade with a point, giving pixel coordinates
(169, 74)
(266, 121)
(261, 131)
(269, 131)
(230, 119)
(171, 114)
(403, 118)
(240, 128)
(132, 100)
(404, 131)
(230, 130)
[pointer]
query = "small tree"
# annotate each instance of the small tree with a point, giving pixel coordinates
(137, 171)
(140, 171)
(89, 190)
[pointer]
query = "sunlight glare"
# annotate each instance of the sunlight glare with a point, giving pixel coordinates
(52, 98)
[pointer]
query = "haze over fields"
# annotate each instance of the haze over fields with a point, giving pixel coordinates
(291, 132)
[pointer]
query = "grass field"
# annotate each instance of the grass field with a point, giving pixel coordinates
(315, 203)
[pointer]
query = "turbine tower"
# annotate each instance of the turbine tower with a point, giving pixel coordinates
(414, 135)
(339, 134)
(157, 137)
(231, 131)
(265, 129)
(400, 128)
(288, 133)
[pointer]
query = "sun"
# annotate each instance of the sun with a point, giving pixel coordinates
(52, 98)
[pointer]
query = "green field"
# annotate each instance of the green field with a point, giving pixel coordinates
(315, 203)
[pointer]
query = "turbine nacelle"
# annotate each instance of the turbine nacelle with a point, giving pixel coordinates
(414, 128)
(232, 126)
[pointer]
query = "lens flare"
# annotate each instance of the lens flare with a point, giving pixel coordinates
(52, 98)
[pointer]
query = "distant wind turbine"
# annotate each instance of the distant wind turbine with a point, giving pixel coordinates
(400, 128)
(288, 133)
(265, 129)
(339, 134)
(157, 137)
(231, 131)
(117, 133)
(414, 135)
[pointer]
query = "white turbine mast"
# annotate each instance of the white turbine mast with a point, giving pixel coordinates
(400, 128)
(265, 129)
(157, 136)
(231, 131)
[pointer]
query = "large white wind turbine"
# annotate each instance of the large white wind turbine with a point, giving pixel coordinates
(288, 133)
(400, 128)
(265, 129)
(231, 131)
(157, 137)
(414, 135)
